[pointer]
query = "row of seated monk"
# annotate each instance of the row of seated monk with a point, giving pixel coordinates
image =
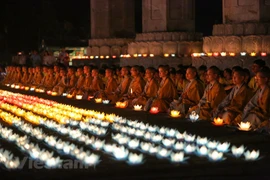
(187, 91)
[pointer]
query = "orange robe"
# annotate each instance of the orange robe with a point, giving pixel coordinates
(96, 85)
(150, 91)
(57, 79)
(110, 87)
(165, 95)
(213, 95)
(25, 78)
(121, 90)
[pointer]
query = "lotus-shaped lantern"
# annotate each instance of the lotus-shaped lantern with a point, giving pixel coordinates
(64, 94)
(120, 153)
(179, 146)
(108, 148)
(135, 159)
(202, 151)
(53, 162)
(177, 157)
(32, 88)
(26, 88)
(201, 141)
(7, 85)
(223, 147)
(175, 113)
(218, 122)
(189, 148)
(133, 143)
(90, 97)
(154, 110)
(106, 101)
(193, 116)
(92, 159)
(252, 155)
(215, 156)
(137, 107)
(98, 100)
(79, 96)
(145, 146)
(123, 104)
(244, 126)
(117, 104)
(212, 144)
(168, 142)
(163, 153)
(237, 151)
(17, 86)
(54, 93)
(69, 96)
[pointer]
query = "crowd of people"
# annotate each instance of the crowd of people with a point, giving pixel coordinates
(232, 94)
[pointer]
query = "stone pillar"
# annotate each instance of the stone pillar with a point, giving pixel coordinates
(168, 15)
(243, 11)
(112, 18)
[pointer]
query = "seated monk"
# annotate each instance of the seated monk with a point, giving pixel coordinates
(180, 81)
(79, 84)
(18, 76)
(136, 86)
(214, 93)
(97, 83)
(25, 75)
(87, 81)
(31, 77)
(48, 81)
(122, 88)
(110, 86)
(192, 94)
(257, 110)
(150, 89)
(57, 78)
(256, 66)
(38, 76)
(236, 100)
(166, 92)
(62, 84)
(72, 79)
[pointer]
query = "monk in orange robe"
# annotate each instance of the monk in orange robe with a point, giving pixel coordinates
(123, 86)
(18, 76)
(257, 110)
(166, 92)
(87, 81)
(38, 76)
(150, 89)
(192, 93)
(214, 93)
(79, 84)
(48, 82)
(110, 86)
(57, 77)
(62, 84)
(97, 83)
(136, 86)
(235, 101)
(25, 75)
(72, 79)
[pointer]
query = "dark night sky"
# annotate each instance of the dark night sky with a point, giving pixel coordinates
(26, 23)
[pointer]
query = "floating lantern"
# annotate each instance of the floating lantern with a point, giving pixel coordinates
(195, 54)
(154, 110)
(106, 101)
(96, 57)
(189, 148)
(123, 104)
(22, 87)
(209, 54)
(263, 53)
(135, 55)
(253, 54)
(223, 147)
(79, 96)
(12, 86)
(7, 85)
(177, 157)
(128, 56)
(17, 86)
(137, 107)
(215, 156)
(26, 88)
(215, 54)
(166, 55)
(244, 126)
(133, 143)
(193, 116)
(179, 146)
(232, 54)
(223, 54)
(202, 151)
(201, 141)
(212, 144)
(49, 92)
(32, 88)
(151, 55)
(243, 53)
(108, 148)
(98, 100)
(252, 155)
(54, 93)
(135, 159)
(69, 96)
(218, 122)
(92, 159)
(120, 153)
(164, 153)
(175, 113)
(144, 55)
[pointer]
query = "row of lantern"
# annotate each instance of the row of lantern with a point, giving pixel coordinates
(224, 54)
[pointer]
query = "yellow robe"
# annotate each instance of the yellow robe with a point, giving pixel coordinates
(252, 84)
(38, 78)
(96, 85)
(57, 79)
(181, 85)
(25, 78)
(150, 91)
(121, 89)
(110, 87)
(18, 77)
(234, 104)
(165, 95)
(48, 82)
(87, 82)
(211, 99)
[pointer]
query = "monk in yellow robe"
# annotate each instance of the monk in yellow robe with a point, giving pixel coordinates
(192, 94)
(48, 82)
(256, 66)
(235, 101)
(123, 86)
(25, 75)
(31, 72)
(136, 86)
(87, 81)
(150, 89)
(97, 83)
(110, 86)
(79, 84)
(166, 92)
(72, 79)
(38, 76)
(180, 81)
(257, 110)
(57, 77)
(62, 84)
(18, 76)
(214, 93)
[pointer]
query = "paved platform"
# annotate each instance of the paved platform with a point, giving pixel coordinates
(154, 168)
